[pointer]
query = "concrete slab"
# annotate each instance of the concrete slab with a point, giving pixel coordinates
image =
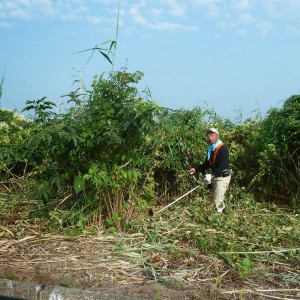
(25, 291)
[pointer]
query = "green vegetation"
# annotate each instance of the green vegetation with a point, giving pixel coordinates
(115, 153)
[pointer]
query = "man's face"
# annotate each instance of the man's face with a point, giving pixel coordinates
(212, 137)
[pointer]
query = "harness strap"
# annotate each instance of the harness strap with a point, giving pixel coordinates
(212, 160)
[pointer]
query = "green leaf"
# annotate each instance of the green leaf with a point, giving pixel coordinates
(108, 221)
(79, 184)
(246, 262)
(112, 229)
(116, 217)
(106, 56)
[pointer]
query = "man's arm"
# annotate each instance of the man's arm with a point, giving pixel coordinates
(203, 167)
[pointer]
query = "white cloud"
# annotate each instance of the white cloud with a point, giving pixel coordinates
(26, 2)
(95, 20)
(8, 5)
(149, 37)
(20, 13)
(99, 20)
(213, 7)
(288, 9)
(6, 25)
(292, 29)
(242, 4)
(206, 2)
(246, 18)
(26, 9)
(156, 12)
(262, 15)
(162, 14)
(265, 28)
(176, 9)
(137, 16)
(272, 9)
(30, 9)
(242, 31)
(46, 8)
(222, 25)
(172, 26)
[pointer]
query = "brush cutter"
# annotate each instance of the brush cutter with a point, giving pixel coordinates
(151, 213)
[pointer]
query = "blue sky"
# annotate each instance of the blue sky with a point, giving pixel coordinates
(236, 56)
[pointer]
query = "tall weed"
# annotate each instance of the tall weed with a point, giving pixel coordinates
(279, 171)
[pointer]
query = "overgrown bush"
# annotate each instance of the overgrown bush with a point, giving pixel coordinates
(279, 159)
(244, 142)
(114, 152)
(98, 150)
(12, 134)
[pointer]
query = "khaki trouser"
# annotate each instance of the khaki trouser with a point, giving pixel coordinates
(219, 188)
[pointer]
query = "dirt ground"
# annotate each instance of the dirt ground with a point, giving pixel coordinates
(103, 263)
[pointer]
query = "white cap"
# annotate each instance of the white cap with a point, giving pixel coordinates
(214, 130)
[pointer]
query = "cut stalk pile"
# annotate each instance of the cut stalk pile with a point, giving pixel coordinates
(253, 249)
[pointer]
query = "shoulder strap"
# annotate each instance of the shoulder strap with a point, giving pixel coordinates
(213, 158)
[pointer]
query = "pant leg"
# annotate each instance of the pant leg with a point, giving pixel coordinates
(219, 188)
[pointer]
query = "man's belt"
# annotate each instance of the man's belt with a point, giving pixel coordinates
(224, 173)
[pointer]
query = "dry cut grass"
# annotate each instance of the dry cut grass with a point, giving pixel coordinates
(186, 253)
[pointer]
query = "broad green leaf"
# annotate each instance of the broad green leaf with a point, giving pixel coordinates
(109, 221)
(79, 184)
(112, 229)
(246, 262)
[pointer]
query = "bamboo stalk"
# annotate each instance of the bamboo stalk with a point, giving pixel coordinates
(243, 291)
(261, 252)
(276, 297)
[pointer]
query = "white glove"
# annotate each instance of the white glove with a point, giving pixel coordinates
(207, 178)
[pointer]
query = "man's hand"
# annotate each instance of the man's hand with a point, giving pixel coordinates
(191, 171)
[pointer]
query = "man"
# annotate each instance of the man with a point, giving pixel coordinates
(217, 159)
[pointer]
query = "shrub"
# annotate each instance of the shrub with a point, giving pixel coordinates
(279, 171)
